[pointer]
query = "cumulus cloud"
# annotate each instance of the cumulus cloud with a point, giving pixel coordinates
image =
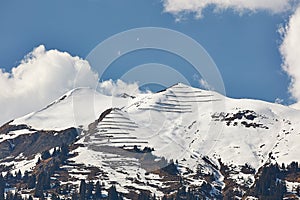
(179, 7)
(45, 75)
(41, 77)
(118, 88)
(290, 50)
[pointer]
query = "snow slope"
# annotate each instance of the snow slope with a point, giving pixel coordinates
(185, 124)
(79, 107)
(180, 123)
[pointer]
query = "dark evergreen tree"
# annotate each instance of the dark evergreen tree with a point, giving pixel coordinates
(26, 176)
(82, 190)
(55, 197)
(112, 193)
(45, 155)
(293, 167)
(135, 148)
(64, 152)
(283, 166)
(75, 196)
(39, 161)
(17, 197)
(2, 186)
(89, 190)
(144, 196)
(8, 176)
(46, 184)
(63, 189)
(298, 190)
(171, 168)
(180, 193)
(154, 197)
(98, 194)
(269, 184)
(58, 151)
(31, 181)
(54, 153)
(19, 175)
(39, 189)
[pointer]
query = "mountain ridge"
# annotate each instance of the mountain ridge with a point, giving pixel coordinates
(139, 138)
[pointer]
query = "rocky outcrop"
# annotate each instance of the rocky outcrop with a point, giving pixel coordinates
(36, 142)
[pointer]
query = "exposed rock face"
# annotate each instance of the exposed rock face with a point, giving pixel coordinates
(33, 143)
(6, 128)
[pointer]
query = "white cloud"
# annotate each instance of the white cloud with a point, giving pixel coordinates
(205, 85)
(43, 76)
(279, 101)
(39, 79)
(118, 88)
(290, 50)
(179, 7)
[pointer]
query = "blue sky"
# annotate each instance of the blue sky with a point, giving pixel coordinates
(244, 47)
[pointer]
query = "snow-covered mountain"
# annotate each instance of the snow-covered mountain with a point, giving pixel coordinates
(212, 141)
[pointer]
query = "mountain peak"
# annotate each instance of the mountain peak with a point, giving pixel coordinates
(181, 85)
(197, 128)
(76, 108)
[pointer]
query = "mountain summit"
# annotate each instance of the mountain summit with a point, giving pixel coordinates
(179, 139)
